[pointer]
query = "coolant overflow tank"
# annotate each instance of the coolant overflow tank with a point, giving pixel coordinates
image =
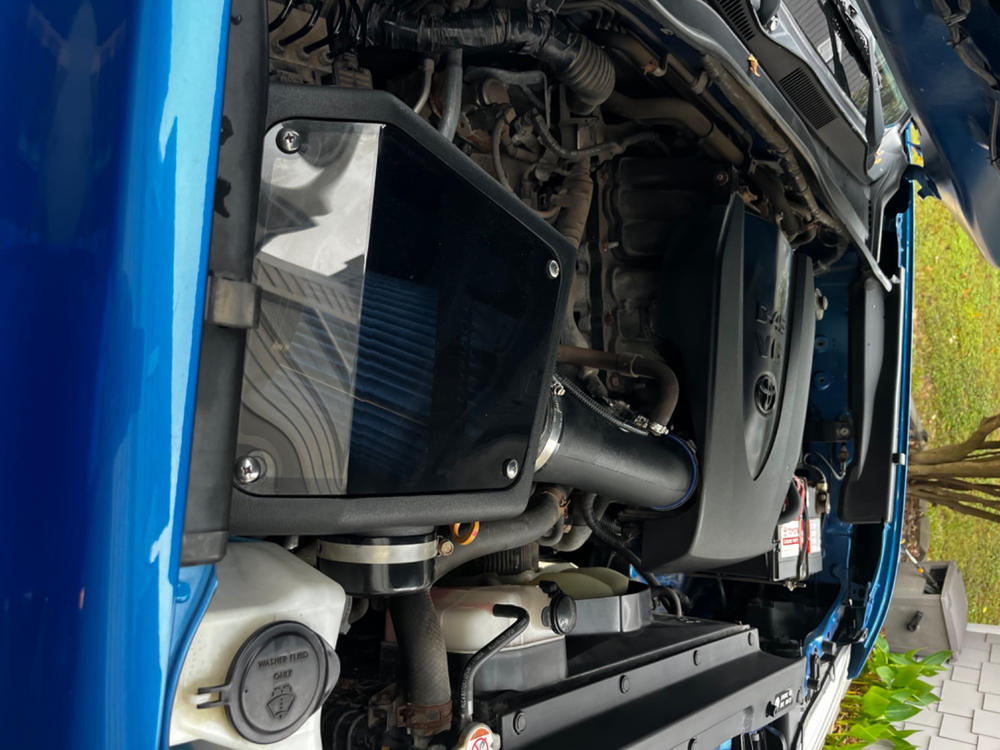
(261, 662)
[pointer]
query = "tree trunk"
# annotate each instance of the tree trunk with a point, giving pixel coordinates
(952, 453)
(960, 476)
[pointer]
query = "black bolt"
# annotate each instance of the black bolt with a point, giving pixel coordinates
(236, 19)
(721, 178)
(697, 658)
(520, 722)
(624, 684)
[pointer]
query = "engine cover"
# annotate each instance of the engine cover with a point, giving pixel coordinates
(745, 370)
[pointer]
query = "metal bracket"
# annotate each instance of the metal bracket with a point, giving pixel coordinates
(231, 303)
(839, 430)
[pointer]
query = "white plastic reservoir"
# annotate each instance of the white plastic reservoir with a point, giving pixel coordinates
(259, 583)
(468, 622)
(534, 658)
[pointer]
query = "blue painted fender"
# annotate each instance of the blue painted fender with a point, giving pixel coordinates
(110, 120)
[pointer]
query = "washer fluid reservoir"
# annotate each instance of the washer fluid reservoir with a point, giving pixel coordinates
(261, 662)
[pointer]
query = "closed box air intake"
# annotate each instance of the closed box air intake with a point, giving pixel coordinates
(406, 326)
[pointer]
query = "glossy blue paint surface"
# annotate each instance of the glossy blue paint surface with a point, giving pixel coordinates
(828, 399)
(110, 120)
(192, 595)
(951, 105)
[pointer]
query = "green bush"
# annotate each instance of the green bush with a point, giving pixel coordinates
(889, 690)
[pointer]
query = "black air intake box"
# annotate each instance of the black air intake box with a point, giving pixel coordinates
(406, 330)
(745, 373)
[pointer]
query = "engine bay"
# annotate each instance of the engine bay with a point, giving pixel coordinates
(523, 425)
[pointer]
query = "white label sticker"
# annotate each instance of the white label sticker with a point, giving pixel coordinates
(789, 539)
(814, 536)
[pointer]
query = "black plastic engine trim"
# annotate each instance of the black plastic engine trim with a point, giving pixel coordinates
(220, 363)
(801, 86)
(678, 683)
(869, 490)
(866, 350)
(733, 515)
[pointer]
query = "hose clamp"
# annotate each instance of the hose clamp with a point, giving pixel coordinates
(656, 428)
(551, 433)
(377, 554)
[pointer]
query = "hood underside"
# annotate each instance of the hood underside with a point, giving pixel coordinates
(945, 58)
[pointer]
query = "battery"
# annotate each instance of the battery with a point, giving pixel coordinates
(796, 553)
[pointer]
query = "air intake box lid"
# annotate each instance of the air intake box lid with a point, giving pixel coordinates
(406, 330)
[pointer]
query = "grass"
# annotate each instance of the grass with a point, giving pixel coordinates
(956, 382)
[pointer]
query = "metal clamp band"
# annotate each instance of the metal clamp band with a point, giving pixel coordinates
(552, 434)
(377, 554)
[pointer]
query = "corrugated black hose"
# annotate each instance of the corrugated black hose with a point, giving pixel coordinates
(580, 64)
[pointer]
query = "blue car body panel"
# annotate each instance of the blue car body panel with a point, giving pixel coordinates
(829, 394)
(111, 120)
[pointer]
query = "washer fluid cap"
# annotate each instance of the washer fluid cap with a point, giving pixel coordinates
(278, 678)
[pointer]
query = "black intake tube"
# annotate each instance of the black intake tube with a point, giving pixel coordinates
(596, 456)
(424, 656)
(576, 61)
